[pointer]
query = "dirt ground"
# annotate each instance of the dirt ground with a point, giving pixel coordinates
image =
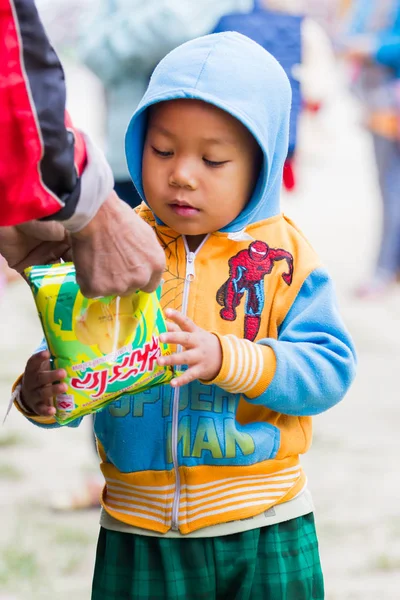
(352, 466)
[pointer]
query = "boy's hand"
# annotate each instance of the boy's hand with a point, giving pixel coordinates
(39, 385)
(201, 350)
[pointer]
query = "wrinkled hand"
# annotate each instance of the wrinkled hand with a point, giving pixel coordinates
(39, 385)
(201, 350)
(117, 253)
(34, 243)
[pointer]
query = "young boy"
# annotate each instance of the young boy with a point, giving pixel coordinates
(205, 496)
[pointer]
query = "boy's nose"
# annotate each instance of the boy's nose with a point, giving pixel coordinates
(183, 177)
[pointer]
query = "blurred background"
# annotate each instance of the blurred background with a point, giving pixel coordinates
(342, 187)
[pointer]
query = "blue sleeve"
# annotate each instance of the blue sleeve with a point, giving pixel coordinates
(315, 355)
(43, 346)
(388, 52)
(133, 40)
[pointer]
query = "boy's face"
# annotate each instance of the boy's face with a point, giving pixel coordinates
(200, 166)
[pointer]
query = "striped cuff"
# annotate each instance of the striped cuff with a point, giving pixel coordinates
(247, 368)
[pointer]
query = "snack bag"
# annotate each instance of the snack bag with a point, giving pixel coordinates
(108, 346)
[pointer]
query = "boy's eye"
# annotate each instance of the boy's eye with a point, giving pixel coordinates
(215, 163)
(165, 154)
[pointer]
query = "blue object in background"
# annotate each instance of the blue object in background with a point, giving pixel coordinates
(279, 34)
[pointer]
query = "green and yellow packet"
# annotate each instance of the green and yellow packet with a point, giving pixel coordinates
(108, 346)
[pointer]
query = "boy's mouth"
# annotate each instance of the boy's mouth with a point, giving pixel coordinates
(183, 209)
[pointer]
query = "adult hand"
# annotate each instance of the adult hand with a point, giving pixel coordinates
(34, 243)
(117, 252)
(201, 350)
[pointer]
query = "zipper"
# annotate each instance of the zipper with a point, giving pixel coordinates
(189, 277)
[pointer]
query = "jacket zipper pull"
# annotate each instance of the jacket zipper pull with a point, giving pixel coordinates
(190, 272)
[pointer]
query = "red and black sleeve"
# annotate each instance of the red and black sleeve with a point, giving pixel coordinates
(41, 155)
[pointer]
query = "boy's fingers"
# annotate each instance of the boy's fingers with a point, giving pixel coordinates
(59, 388)
(47, 377)
(45, 410)
(187, 377)
(37, 359)
(45, 394)
(180, 338)
(41, 399)
(172, 327)
(45, 365)
(178, 318)
(179, 358)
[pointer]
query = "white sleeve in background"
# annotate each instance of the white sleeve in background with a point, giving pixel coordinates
(317, 73)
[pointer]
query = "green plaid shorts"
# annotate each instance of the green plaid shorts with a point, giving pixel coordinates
(279, 562)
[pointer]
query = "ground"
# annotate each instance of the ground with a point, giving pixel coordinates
(352, 466)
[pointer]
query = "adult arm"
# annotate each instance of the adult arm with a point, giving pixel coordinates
(41, 155)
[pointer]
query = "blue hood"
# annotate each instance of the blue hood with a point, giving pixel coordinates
(236, 74)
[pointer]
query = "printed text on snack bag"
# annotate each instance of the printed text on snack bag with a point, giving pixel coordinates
(139, 361)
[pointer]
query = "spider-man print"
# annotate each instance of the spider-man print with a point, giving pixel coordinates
(247, 270)
(174, 274)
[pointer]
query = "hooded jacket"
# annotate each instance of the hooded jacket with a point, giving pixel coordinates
(214, 452)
